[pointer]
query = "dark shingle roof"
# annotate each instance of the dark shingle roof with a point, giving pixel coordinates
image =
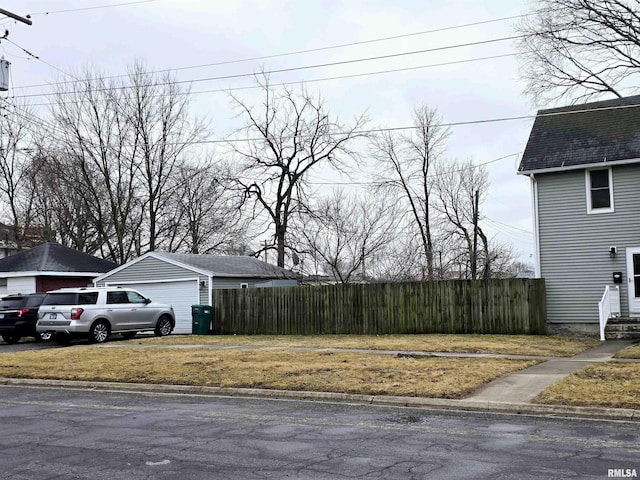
(229, 265)
(598, 132)
(53, 257)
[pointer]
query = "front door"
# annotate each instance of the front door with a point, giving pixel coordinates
(633, 280)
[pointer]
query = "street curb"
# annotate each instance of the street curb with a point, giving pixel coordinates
(414, 402)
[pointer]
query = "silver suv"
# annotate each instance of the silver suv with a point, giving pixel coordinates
(97, 312)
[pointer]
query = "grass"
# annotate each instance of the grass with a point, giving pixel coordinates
(541, 345)
(609, 384)
(630, 352)
(272, 369)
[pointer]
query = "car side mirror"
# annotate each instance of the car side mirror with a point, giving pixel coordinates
(147, 300)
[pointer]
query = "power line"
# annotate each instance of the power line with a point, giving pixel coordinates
(411, 127)
(519, 237)
(91, 8)
(313, 80)
(292, 69)
(40, 59)
(528, 232)
(33, 118)
(372, 182)
(310, 50)
(391, 129)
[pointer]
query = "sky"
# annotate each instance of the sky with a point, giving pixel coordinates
(242, 37)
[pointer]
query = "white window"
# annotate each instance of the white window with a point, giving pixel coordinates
(599, 185)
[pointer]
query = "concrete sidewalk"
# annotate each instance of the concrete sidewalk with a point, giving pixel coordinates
(523, 386)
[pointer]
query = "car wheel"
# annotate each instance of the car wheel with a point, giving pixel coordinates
(128, 335)
(43, 336)
(99, 332)
(61, 338)
(164, 326)
(11, 339)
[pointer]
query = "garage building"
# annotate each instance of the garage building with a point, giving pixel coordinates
(183, 279)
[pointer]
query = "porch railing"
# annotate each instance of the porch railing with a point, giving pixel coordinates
(608, 307)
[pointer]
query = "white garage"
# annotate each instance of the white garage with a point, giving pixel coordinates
(180, 294)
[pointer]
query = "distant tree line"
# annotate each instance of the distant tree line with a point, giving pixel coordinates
(121, 166)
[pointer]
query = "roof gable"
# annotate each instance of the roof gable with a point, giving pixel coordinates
(587, 134)
(53, 257)
(227, 265)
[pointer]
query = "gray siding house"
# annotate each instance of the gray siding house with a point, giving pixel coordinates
(183, 279)
(584, 166)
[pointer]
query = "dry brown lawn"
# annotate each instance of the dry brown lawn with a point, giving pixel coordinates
(541, 345)
(609, 384)
(346, 372)
(630, 352)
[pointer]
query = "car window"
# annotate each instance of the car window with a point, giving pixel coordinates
(61, 298)
(88, 298)
(135, 297)
(11, 302)
(117, 297)
(34, 301)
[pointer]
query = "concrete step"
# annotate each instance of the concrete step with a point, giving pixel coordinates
(622, 329)
(624, 320)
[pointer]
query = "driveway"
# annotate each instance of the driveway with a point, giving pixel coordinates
(26, 343)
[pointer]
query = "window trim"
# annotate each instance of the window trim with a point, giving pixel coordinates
(587, 176)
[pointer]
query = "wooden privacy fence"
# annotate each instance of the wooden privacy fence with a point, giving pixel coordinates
(510, 306)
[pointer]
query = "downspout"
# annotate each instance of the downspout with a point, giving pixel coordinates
(210, 294)
(536, 225)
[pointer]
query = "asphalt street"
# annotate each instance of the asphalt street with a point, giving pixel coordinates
(50, 433)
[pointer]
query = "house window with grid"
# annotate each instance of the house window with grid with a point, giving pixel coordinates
(599, 191)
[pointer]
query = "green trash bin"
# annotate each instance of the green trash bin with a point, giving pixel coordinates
(201, 319)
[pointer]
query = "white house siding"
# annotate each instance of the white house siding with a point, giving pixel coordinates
(21, 284)
(574, 245)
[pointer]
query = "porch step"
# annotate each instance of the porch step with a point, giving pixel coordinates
(622, 328)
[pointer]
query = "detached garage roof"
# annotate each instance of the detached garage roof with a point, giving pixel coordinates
(228, 265)
(215, 265)
(53, 257)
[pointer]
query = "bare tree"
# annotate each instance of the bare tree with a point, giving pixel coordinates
(207, 214)
(60, 204)
(16, 145)
(121, 142)
(461, 188)
(400, 261)
(406, 166)
(580, 49)
(94, 131)
(284, 139)
(163, 134)
(346, 233)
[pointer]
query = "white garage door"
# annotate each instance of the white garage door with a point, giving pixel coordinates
(179, 294)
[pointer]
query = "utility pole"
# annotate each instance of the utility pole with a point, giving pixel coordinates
(15, 17)
(474, 255)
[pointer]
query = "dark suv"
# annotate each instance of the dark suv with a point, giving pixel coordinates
(18, 317)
